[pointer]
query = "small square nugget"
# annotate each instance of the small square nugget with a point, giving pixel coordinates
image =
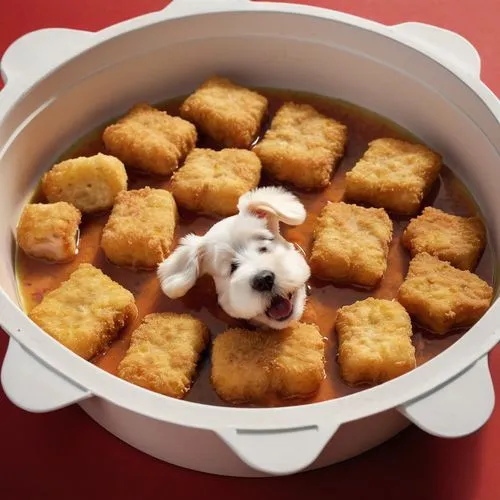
(228, 113)
(393, 174)
(150, 140)
(374, 341)
(458, 240)
(140, 230)
(89, 183)
(86, 312)
(252, 366)
(302, 146)
(351, 244)
(441, 297)
(49, 231)
(212, 181)
(163, 353)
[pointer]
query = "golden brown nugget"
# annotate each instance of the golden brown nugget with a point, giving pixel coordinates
(441, 297)
(86, 312)
(374, 341)
(351, 244)
(89, 183)
(393, 174)
(250, 366)
(226, 112)
(302, 146)
(212, 181)
(151, 140)
(457, 240)
(140, 230)
(163, 353)
(49, 231)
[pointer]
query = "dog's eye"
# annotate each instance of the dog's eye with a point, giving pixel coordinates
(234, 266)
(263, 250)
(264, 237)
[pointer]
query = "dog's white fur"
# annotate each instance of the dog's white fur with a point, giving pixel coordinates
(251, 241)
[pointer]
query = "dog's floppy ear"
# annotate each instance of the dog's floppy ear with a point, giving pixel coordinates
(180, 270)
(274, 203)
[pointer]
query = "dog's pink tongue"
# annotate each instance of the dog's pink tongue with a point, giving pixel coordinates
(280, 308)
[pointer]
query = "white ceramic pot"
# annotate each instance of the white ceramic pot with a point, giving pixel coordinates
(63, 83)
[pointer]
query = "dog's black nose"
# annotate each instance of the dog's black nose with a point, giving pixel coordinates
(263, 281)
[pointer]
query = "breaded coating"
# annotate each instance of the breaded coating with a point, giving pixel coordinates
(89, 183)
(49, 231)
(393, 174)
(351, 244)
(302, 146)
(374, 341)
(86, 312)
(226, 112)
(212, 181)
(150, 140)
(163, 353)
(441, 297)
(457, 240)
(140, 230)
(250, 366)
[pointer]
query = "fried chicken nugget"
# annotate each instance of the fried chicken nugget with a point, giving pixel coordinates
(440, 296)
(140, 230)
(302, 146)
(374, 341)
(163, 353)
(49, 231)
(248, 366)
(150, 140)
(226, 112)
(86, 312)
(351, 244)
(458, 240)
(212, 181)
(89, 183)
(393, 174)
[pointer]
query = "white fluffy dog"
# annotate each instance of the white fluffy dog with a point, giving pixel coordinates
(259, 276)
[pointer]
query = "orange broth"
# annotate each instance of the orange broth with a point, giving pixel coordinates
(36, 277)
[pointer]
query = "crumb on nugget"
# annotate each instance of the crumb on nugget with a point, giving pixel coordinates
(228, 113)
(393, 174)
(49, 231)
(163, 353)
(374, 341)
(351, 244)
(86, 312)
(150, 140)
(457, 240)
(250, 366)
(302, 146)
(140, 230)
(212, 181)
(440, 296)
(89, 183)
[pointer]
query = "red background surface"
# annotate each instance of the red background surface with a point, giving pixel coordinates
(65, 455)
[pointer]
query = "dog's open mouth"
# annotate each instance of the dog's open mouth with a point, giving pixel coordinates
(281, 308)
